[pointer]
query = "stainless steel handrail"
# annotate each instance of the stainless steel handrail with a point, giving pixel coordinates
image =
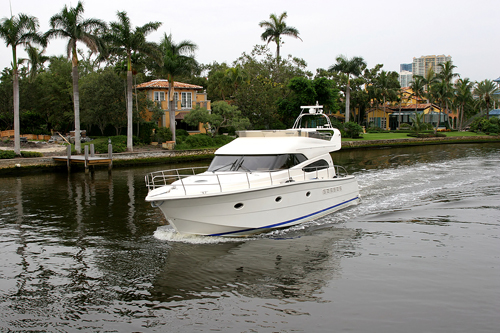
(166, 177)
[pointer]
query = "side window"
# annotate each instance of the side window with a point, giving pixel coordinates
(287, 161)
(318, 165)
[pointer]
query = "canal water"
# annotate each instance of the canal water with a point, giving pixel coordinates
(421, 253)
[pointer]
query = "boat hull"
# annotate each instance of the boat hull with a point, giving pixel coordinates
(247, 212)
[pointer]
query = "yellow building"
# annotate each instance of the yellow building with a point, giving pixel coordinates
(187, 97)
(392, 118)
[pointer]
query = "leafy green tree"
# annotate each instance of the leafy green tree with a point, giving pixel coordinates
(16, 31)
(6, 116)
(224, 81)
(54, 94)
(70, 24)
(275, 28)
(218, 87)
(326, 94)
(222, 115)
(304, 91)
(178, 60)
(102, 98)
(125, 42)
(354, 67)
(257, 98)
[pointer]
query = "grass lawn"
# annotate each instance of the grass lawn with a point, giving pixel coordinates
(388, 136)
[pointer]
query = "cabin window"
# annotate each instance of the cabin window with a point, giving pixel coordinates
(255, 162)
(314, 166)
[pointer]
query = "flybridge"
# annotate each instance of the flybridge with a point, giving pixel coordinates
(305, 133)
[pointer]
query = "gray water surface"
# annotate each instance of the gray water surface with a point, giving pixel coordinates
(421, 253)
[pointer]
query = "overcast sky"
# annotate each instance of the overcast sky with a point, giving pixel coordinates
(389, 32)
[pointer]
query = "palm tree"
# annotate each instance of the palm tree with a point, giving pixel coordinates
(70, 24)
(417, 86)
(178, 59)
(276, 27)
(387, 86)
(36, 60)
(429, 79)
(446, 75)
(486, 90)
(126, 42)
(17, 31)
(353, 66)
(463, 97)
(235, 76)
(441, 91)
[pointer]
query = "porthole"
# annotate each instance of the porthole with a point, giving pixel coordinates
(308, 194)
(238, 205)
(278, 199)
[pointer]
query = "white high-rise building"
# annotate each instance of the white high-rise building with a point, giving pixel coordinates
(422, 65)
(405, 77)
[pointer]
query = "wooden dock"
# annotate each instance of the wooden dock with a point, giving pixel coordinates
(88, 159)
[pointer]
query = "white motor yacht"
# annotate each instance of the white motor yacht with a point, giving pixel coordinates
(260, 181)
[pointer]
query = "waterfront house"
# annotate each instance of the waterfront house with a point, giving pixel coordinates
(187, 97)
(394, 115)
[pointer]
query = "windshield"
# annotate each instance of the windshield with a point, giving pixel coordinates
(255, 162)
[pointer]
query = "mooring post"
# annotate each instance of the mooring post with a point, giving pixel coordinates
(91, 150)
(110, 156)
(68, 155)
(86, 159)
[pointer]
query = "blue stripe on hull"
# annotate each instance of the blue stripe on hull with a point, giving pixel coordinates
(286, 222)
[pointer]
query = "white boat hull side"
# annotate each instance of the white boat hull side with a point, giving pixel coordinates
(266, 208)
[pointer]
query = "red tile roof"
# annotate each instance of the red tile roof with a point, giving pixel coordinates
(164, 84)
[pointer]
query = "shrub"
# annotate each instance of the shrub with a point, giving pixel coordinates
(163, 135)
(352, 130)
(181, 133)
(31, 154)
(4, 154)
(199, 141)
(146, 132)
(490, 127)
(119, 144)
(221, 140)
(376, 130)
(485, 125)
(202, 141)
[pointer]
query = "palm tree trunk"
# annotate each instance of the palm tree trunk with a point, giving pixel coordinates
(129, 111)
(17, 140)
(172, 108)
(137, 105)
(76, 104)
(448, 114)
(347, 101)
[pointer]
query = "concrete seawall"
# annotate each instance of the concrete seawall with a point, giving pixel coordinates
(418, 141)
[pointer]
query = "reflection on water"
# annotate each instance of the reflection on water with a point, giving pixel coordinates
(86, 252)
(296, 267)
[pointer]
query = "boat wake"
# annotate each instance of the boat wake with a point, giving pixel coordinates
(169, 234)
